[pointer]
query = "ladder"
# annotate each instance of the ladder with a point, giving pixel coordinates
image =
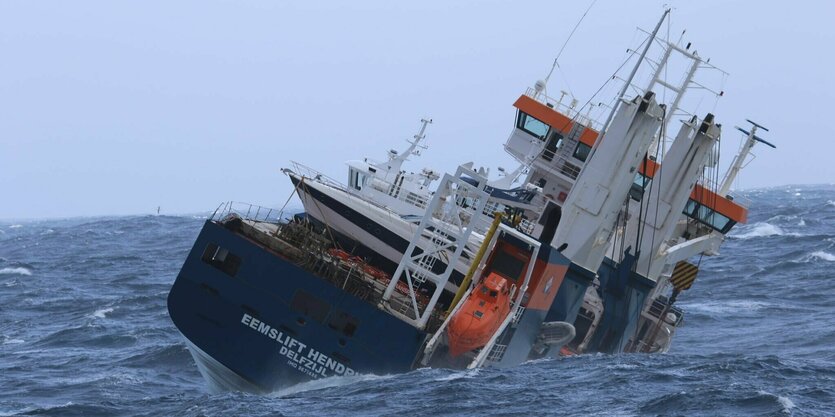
(456, 208)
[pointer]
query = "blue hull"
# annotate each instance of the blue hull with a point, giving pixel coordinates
(624, 294)
(266, 323)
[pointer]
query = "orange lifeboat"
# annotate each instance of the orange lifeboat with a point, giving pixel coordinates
(481, 314)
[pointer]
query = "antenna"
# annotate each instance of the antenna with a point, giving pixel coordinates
(756, 124)
(556, 64)
(631, 76)
(750, 140)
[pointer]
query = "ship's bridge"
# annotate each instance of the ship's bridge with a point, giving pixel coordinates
(704, 206)
(542, 126)
(553, 139)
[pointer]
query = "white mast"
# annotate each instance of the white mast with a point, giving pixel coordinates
(670, 190)
(739, 159)
(590, 212)
(635, 70)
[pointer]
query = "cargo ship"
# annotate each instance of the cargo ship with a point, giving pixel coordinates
(387, 274)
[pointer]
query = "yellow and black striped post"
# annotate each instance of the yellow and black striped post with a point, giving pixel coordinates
(683, 275)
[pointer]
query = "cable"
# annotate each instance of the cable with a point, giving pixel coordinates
(574, 118)
(566, 41)
(657, 177)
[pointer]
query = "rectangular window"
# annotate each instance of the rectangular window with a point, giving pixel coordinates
(532, 125)
(708, 216)
(314, 307)
(354, 179)
(582, 151)
(639, 185)
(221, 259)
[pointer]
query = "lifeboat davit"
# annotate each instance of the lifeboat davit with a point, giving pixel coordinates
(481, 314)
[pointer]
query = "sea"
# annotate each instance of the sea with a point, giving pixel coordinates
(84, 331)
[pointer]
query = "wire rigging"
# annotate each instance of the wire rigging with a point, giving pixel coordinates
(556, 63)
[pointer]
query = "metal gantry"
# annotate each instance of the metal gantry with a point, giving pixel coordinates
(456, 208)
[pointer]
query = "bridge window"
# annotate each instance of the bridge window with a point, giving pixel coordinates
(708, 216)
(532, 125)
(640, 184)
(221, 259)
(582, 151)
(356, 179)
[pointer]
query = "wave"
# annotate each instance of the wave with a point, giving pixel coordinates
(762, 230)
(724, 307)
(467, 374)
(329, 382)
(824, 256)
(784, 402)
(102, 312)
(17, 270)
(10, 341)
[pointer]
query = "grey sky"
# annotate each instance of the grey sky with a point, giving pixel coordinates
(117, 107)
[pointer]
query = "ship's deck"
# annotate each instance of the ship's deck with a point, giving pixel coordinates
(316, 252)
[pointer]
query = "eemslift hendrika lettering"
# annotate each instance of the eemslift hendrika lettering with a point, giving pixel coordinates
(301, 357)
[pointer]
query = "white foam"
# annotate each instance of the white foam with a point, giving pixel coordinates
(330, 382)
(830, 203)
(802, 222)
(18, 270)
(469, 373)
(15, 226)
(10, 341)
(622, 366)
(762, 230)
(724, 307)
(785, 402)
(825, 256)
(102, 313)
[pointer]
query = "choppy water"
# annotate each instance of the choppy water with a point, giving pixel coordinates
(84, 331)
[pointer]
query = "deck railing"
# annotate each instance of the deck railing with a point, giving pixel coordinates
(571, 112)
(247, 211)
(309, 172)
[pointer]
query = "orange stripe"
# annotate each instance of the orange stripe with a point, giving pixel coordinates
(705, 197)
(588, 137)
(551, 117)
(542, 273)
(721, 204)
(652, 168)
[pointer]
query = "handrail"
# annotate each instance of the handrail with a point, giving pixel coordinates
(247, 211)
(309, 172)
(569, 111)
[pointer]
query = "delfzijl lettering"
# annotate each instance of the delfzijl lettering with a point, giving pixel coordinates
(301, 357)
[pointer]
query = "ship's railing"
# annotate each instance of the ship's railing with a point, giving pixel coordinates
(247, 211)
(397, 191)
(309, 172)
(659, 305)
(712, 185)
(561, 164)
(568, 110)
(382, 186)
